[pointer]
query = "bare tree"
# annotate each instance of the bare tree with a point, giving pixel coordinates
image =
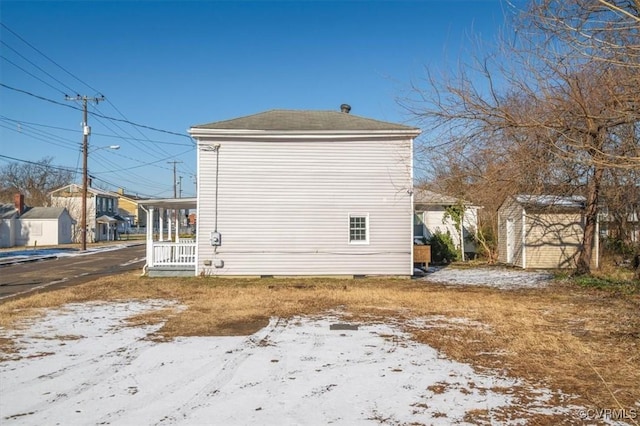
(33, 180)
(549, 107)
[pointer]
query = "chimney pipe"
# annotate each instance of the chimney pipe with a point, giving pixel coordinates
(18, 202)
(345, 108)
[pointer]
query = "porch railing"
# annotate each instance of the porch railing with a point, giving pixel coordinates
(167, 253)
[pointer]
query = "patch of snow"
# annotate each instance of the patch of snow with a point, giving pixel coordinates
(84, 364)
(32, 254)
(506, 279)
(441, 321)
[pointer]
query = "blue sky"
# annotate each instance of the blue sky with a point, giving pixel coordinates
(170, 65)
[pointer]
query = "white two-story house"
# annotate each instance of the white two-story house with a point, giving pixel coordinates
(102, 211)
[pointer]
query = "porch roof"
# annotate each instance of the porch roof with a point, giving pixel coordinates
(106, 219)
(171, 203)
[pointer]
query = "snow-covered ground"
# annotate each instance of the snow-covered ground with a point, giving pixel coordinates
(507, 279)
(7, 256)
(83, 364)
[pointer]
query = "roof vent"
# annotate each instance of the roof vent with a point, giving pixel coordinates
(345, 108)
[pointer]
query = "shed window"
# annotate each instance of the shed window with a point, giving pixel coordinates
(358, 229)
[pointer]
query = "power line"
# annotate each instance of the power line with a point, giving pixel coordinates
(49, 139)
(97, 114)
(3, 117)
(51, 60)
(38, 97)
(32, 75)
(137, 129)
(65, 169)
(35, 65)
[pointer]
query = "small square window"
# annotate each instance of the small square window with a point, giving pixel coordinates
(358, 230)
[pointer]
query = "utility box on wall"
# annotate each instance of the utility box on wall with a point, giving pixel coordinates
(216, 239)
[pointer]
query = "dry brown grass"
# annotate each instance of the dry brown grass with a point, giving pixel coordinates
(582, 342)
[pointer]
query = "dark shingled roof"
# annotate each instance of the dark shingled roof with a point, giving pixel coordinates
(7, 210)
(291, 120)
(43, 213)
(423, 196)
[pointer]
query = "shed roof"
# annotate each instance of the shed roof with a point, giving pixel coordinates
(43, 213)
(552, 201)
(292, 120)
(7, 211)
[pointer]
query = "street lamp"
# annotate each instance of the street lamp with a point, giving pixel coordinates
(105, 147)
(85, 154)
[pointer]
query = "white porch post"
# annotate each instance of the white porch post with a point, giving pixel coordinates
(169, 225)
(150, 237)
(176, 214)
(161, 224)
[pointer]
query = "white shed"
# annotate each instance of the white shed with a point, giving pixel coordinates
(45, 226)
(286, 193)
(542, 231)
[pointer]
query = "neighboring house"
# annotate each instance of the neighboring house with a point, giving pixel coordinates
(431, 217)
(542, 231)
(292, 193)
(623, 225)
(30, 226)
(102, 211)
(130, 209)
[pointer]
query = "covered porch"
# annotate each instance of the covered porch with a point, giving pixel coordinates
(169, 253)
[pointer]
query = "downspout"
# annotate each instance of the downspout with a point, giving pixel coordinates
(411, 206)
(197, 249)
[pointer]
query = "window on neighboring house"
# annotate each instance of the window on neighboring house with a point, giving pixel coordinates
(358, 229)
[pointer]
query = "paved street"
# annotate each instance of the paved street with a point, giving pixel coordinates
(43, 275)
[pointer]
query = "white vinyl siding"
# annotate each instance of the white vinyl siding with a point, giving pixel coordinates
(283, 206)
(553, 240)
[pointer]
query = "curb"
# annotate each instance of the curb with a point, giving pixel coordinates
(8, 261)
(25, 260)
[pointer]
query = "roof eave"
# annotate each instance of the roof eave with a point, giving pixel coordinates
(199, 132)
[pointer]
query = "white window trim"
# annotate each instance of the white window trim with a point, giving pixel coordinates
(367, 226)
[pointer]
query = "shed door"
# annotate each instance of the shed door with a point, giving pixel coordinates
(511, 239)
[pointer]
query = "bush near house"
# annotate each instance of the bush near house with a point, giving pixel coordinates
(443, 250)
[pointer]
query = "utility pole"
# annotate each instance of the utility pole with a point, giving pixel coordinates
(175, 181)
(86, 131)
(180, 187)
(175, 194)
